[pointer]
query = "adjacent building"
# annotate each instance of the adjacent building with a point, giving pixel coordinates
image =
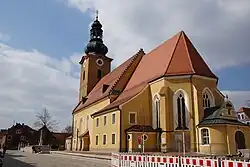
(3, 134)
(244, 115)
(21, 135)
(154, 101)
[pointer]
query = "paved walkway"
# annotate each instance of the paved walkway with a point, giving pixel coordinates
(104, 156)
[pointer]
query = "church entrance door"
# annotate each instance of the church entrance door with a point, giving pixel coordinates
(240, 140)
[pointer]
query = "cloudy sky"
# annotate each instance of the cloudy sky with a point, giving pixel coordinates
(41, 43)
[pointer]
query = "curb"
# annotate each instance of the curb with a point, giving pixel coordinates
(78, 155)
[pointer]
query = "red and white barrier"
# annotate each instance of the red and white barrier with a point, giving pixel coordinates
(141, 160)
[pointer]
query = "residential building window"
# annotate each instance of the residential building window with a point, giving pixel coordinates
(132, 118)
(96, 139)
(242, 116)
(9, 137)
(113, 118)
(104, 120)
(104, 140)
(22, 138)
(239, 116)
(99, 74)
(204, 137)
(18, 131)
(113, 138)
(97, 122)
(156, 111)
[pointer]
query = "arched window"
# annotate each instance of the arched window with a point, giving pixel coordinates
(156, 112)
(181, 111)
(205, 136)
(208, 99)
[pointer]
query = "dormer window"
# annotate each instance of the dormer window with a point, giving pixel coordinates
(18, 131)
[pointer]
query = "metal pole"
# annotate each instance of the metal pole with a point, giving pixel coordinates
(183, 139)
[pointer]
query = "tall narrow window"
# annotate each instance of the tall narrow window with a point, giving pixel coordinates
(83, 75)
(96, 139)
(181, 112)
(99, 74)
(113, 138)
(156, 112)
(113, 118)
(104, 120)
(104, 140)
(132, 118)
(204, 136)
(206, 100)
(97, 122)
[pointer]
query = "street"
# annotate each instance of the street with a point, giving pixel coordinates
(21, 159)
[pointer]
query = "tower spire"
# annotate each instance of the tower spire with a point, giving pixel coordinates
(96, 44)
(96, 15)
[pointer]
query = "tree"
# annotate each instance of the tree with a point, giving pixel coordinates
(67, 129)
(45, 118)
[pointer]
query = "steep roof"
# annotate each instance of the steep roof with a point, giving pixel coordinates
(176, 56)
(117, 77)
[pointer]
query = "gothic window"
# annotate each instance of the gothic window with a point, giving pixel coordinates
(204, 136)
(206, 101)
(156, 112)
(181, 112)
(207, 97)
(99, 74)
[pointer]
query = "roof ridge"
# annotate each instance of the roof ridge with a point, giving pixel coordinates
(189, 58)
(133, 59)
(173, 52)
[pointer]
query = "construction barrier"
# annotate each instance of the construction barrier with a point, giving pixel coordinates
(142, 160)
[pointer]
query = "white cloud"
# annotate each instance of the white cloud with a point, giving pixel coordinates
(30, 81)
(4, 37)
(218, 28)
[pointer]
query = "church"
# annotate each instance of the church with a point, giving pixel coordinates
(166, 100)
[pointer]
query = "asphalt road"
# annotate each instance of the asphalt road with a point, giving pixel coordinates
(21, 159)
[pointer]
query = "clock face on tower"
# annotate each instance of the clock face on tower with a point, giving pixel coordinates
(99, 62)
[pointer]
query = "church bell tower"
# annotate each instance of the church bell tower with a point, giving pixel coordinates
(94, 64)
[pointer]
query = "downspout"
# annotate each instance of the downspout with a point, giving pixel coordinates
(192, 97)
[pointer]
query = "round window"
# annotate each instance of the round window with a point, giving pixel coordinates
(129, 137)
(99, 62)
(144, 137)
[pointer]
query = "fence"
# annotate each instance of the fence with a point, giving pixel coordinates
(139, 160)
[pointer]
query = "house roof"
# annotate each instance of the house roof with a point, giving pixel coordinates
(176, 56)
(117, 77)
(246, 110)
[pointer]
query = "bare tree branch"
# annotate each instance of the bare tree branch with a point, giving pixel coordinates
(67, 129)
(44, 118)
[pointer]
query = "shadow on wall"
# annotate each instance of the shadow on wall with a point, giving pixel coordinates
(10, 161)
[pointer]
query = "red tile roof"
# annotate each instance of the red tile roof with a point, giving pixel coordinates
(112, 79)
(176, 56)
